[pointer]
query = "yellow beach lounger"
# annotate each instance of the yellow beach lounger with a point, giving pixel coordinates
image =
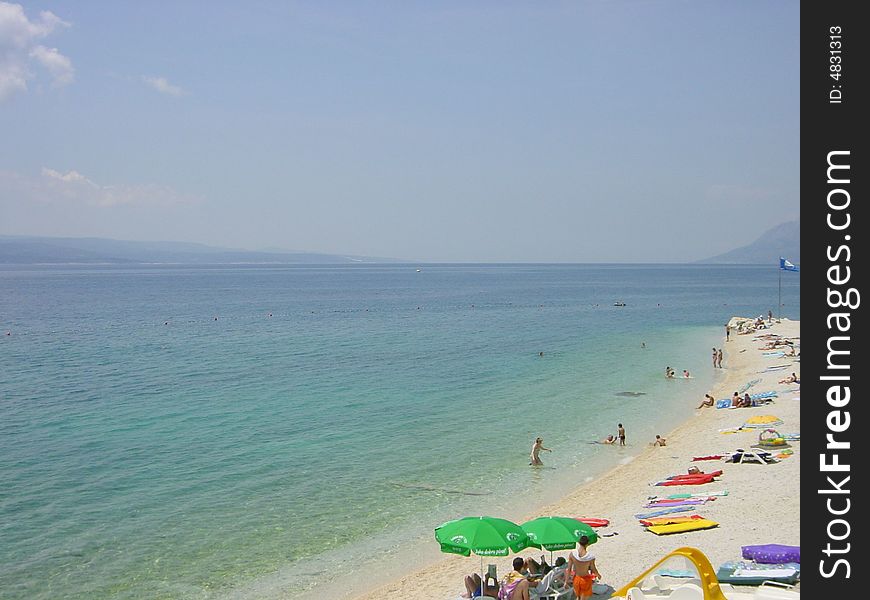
(693, 525)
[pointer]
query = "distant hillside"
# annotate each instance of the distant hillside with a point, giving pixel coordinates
(48, 250)
(783, 240)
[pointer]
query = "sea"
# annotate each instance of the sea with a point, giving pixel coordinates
(239, 431)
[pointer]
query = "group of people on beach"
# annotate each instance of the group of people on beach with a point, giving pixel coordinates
(578, 571)
(717, 358)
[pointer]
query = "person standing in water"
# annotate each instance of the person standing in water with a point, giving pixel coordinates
(620, 433)
(719, 358)
(534, 457)
(715, 356)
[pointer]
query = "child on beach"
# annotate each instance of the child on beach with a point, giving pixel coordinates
(536, 451)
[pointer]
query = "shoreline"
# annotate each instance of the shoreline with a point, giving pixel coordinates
(617, 494)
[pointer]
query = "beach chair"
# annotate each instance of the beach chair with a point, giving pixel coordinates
(550, 587)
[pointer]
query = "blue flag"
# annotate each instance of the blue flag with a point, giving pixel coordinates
(787, 266)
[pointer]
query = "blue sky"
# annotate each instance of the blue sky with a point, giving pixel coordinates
(449, 131)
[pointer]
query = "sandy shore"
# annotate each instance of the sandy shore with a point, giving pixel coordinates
(762, 505)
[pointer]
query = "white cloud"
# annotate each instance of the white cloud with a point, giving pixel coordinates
(163, 86)
(19, 49)
(57, 64)
(74, 188)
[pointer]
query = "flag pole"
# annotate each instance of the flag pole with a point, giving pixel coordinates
(779, 310)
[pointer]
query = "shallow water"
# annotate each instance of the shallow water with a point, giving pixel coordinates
(175, 432)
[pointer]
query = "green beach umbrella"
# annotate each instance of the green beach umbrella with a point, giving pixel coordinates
(485, 536)
(557, 533)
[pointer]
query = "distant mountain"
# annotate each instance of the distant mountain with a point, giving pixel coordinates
(783, 240)
(50, 250)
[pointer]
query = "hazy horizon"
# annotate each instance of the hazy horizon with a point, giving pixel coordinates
(657, 132)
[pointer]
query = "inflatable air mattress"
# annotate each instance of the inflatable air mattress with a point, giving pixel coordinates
(693, 525)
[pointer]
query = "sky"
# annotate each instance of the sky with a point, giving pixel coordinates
(489, 131)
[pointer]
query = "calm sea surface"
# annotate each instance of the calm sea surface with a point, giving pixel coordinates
(216, 432)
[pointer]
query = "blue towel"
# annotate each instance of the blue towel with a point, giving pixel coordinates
(665, 511)
(724, 403)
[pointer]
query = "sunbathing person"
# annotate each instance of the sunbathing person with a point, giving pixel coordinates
(745, 402)
(792, 379)
(534, 570)
(473, 588)
(708, 401)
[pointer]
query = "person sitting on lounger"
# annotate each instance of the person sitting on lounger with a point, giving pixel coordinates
(708, 401)
(515, 586)
(473, 587)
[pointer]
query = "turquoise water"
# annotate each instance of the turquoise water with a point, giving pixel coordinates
(211, 432)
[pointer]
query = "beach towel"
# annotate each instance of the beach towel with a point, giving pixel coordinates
(724, 403)
(677, 503)
(707, 495)
(679, 573)
(768, 573)
(671, 520)
(699, 479)
(772, 553)
(711, 457)
(664, 511)
(746, 386)
(748, 573)
(672, 500)
(507, 588)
